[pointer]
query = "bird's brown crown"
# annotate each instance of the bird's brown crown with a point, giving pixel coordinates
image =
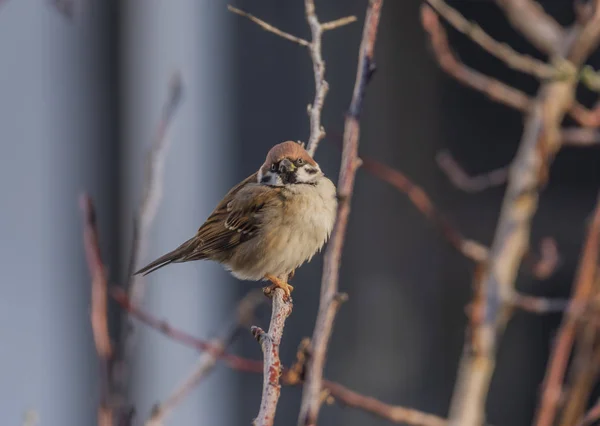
(289, 149)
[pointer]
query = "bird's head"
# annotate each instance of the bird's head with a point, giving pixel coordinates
(288, 163)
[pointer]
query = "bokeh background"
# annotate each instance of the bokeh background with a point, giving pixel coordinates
(81, 94)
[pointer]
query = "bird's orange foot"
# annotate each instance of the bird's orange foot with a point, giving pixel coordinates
(277, 283)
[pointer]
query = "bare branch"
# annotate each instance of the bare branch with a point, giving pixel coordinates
(542, 265)
(592, 416)
(151, 196)
(580, 137)
(268, 27)
(469, 248)
(317, 132)
(272, 368)
(290, 377)
(332, 25)
(393, 413)
(208, 360)
(528, 174)
(528, 18)
(98, 315)
(492, 88)
(472, 184)
(329, 301)
(153, 180)
(502, 51)
(584, 116)
(582, 292)
(540, 305)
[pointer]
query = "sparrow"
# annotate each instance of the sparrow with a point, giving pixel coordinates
(269, 224)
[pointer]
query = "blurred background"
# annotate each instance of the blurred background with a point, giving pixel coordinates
(82, 88)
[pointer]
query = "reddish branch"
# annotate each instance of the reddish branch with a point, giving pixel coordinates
(582, 292)
(311, 395)
(269, 343)
(290, 377)
(494, 89)
(469, 248)
(243, 317)
(539, 144)
(99, 307)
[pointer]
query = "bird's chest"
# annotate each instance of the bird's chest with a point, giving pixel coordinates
(305, 223)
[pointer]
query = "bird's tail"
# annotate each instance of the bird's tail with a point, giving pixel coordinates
(180, 254)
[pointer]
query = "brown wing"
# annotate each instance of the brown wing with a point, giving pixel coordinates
(235, 220)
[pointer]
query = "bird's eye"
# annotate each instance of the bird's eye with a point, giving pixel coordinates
(273, 167)
(299, 161)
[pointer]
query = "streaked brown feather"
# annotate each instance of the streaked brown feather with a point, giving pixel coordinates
(233, 221)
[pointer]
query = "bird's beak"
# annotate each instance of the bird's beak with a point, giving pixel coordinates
(286, 166)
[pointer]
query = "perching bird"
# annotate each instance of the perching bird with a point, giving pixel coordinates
(269, 224)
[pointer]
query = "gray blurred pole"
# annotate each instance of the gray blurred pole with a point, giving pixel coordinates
(158, 38)
(57, 140)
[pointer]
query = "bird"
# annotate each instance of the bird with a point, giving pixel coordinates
(267, 225)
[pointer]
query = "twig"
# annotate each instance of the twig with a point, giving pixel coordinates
(268, 27)
(583, 374)
(502, 51)
(290, 377)
(471, 249)
(329, 300)
(208, 360)
(574, 136)
(529, 19)
(540, 305)
(592, 416)
(153, 180)
(394, 414)
(492, 88)
(152, 194)
(98, 313)
(542, 265)
(317, 131)
(584, 116)
(583, 289)
(539, 144)
(269, 343)
(472, 184)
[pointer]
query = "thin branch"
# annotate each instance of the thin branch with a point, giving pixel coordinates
(151, 196)
(492, 88)
(272, 367)
(329, 301)
(208, 360)
(540, 305)
(585, 116)
(461, 179)
(395, 414)
(528, 174)
(317, 131)
(592, 416)
(268, 27)
(290, 377)
(528, 18)
(582, 292)
(578, 137)
(153, 180)
(542, 265)
(570, 136)
(98, 315)
(471, 249)
(583, 373)
(502, 51)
